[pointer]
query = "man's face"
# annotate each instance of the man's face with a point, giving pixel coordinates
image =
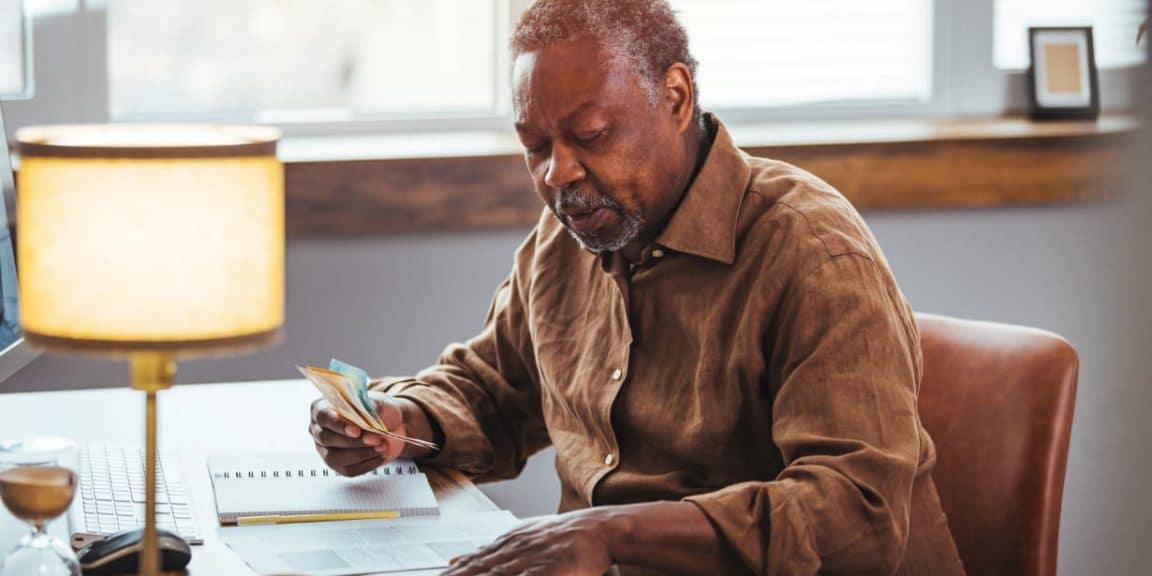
(605, 160)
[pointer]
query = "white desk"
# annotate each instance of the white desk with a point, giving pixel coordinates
(194, 421)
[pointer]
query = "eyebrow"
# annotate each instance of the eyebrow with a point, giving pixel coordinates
(578, 111)
(591, 103)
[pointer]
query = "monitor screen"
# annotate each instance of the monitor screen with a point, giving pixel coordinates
(14, 353)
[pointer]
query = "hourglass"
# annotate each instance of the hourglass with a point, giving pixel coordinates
(36, 495)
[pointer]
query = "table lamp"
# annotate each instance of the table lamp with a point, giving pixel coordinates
(150, 242)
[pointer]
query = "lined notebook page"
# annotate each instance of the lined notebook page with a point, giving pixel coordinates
(269, 484)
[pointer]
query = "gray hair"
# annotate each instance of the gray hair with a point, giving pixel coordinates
(640, 35)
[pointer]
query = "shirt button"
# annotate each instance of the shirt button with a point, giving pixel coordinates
(608, 460)
(617, 373)
(657, 253)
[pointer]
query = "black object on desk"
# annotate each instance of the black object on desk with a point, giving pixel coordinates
(119, 553)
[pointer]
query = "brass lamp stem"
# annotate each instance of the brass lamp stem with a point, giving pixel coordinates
(151, 372)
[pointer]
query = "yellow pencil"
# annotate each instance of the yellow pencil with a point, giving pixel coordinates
(331, 517)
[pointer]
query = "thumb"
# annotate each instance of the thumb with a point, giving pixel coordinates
(388, 409)
(389, 412)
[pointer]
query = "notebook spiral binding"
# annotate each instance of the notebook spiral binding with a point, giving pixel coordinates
(314, 473)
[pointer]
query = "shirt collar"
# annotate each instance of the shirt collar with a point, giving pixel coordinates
(704, 224)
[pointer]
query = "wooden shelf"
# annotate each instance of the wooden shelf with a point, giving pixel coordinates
(375, 185)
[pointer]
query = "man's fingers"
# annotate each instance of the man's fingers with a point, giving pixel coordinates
(345, 460)
(509, 556)
(344, 447)
(326, 416)
(353, 461)
(366, 466)
(472, 562)
(333, 439)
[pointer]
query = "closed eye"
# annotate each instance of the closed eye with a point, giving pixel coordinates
(590, 137)
(535, 149)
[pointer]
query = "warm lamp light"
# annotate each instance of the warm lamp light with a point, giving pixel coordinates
(150, 242)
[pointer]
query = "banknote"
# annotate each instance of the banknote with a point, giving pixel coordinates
(347, 391)
(330, 387)
(358, 380)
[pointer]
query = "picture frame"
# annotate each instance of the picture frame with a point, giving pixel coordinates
(1062, 80)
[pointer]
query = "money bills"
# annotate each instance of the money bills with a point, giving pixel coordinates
(345, 387)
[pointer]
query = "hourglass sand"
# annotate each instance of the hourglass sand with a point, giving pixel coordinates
(37, 495)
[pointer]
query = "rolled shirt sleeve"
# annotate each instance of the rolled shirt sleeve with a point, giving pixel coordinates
(846, 366)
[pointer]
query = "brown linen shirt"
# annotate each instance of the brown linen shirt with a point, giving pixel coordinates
(758, 361)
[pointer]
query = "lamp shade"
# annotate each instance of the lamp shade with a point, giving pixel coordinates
(162, 237)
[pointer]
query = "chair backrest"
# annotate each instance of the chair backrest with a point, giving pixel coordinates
(998, 400)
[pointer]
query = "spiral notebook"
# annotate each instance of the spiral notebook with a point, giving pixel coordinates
(285, 485)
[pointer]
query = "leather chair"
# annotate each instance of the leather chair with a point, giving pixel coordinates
(998, 401)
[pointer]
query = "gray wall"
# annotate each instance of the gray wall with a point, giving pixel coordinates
(390, 304)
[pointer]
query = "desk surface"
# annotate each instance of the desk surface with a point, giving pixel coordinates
(195, 421)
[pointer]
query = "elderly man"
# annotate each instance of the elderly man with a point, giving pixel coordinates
(713, 343)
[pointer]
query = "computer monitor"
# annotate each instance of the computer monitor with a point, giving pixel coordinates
(14, 352)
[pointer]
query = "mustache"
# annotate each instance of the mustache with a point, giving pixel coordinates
(571, 199)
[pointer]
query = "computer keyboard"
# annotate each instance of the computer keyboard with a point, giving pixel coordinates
(111, 494)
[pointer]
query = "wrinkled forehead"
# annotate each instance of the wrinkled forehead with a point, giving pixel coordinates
(557, 79)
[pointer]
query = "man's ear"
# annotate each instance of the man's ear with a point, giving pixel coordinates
(679, 95)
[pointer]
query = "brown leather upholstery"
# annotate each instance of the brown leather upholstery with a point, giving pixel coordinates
(998, 401)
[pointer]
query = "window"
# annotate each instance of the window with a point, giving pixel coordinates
(1114, 24)
(756, 53)
(301, 59)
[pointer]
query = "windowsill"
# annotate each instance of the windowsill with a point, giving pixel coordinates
(375, 185)
(407, 146)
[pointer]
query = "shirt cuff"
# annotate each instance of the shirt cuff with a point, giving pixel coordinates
(463, 445)
(740, 515)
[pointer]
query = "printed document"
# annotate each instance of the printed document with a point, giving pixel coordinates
(365, 546)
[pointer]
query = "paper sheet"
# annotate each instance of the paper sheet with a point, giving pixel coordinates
(365, 546)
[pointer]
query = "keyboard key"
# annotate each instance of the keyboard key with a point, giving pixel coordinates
(111, 493)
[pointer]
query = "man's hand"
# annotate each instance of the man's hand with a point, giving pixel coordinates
(674, 537)
(349, 450)
(572, 544)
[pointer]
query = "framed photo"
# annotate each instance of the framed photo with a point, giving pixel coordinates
(1062, 81)
(15, 51)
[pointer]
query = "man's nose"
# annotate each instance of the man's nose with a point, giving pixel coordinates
(563, 168)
